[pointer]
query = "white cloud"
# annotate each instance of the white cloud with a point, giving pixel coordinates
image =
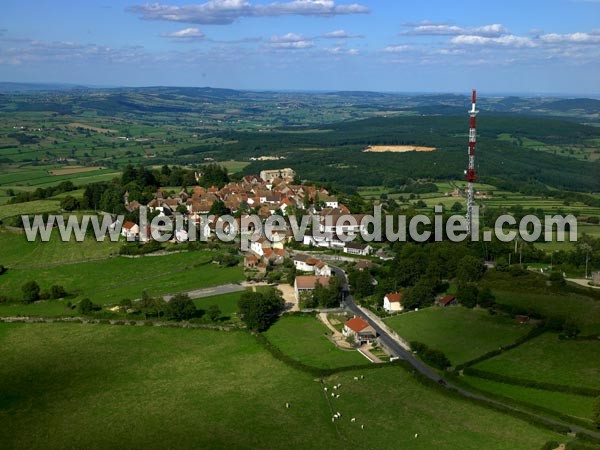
(227, 11)
(572, 38)
(291, 41)
(187, 33)
(342, 51)
(340, 34)
(432, 29)
(397, 48)
(508, 40)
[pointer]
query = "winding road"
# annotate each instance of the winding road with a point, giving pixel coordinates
(397, 350)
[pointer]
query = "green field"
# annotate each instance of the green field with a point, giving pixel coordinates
(462, 334)
(572, 405)
(548, 359)
(583, 310)
(34, 207)
(100, 386)
(303, 338)
(227, 303)
(17, 251)
(110, 280)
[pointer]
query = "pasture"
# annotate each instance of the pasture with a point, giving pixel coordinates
(462, 334)
(304, 339)
(110, 280)
(577, 406)
(90, 386)
(548, 359)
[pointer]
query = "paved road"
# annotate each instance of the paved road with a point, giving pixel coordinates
(207, 292)
(397, 350)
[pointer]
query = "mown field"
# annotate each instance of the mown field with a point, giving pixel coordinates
(548, 359)
(304, 339)
(90, 386)
(110, 280)
(462, 334)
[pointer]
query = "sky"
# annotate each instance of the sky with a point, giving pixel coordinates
(530, 47)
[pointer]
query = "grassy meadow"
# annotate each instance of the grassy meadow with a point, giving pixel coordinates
(304, 339)
(548, 359)
(462, 334)
(91, 386)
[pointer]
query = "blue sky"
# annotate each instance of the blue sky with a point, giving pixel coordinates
(526, 47)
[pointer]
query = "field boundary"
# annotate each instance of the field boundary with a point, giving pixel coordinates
(506, 379)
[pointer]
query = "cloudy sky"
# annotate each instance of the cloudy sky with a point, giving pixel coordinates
(508, 46)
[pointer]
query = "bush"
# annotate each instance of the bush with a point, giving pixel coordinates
(181, 307)
(57, 291)
(433, 357)
(86, 307)
(31, 292)
(2, 269)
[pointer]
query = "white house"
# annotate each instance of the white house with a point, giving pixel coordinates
(357, 249)
(393, 302)
(349, 224)
(130, 230)
(322, 269)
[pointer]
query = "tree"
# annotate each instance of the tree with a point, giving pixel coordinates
(213, 312)
(469, 269)
(57, 291)
(485, 298)
(181, 307)
(31, 292)
(557, 279)
(86, 307)
(69, 203)
(218, 208)
(467, 295)
(259, 310)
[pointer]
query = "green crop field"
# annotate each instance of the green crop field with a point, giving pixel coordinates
(462, 334)
(572, 405)
(34, 207)
(90, 386)
(303, 338)
(548, 359)
(110, 280)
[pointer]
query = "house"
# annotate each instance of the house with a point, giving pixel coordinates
(307, 283)
(393, 302)
(360, 330)
(130, 230)
(521, 319)
(357, 249)
(250, 262)
(305, 263)
(447, 300)
(322, 269)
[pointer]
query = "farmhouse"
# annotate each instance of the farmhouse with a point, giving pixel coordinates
(358, 249)
(447, 300)
(360, 330)
(307, 283)
(393, 302)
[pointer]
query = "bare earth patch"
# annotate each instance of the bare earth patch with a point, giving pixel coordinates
(74, 169)
(397, 148)
(91, 128)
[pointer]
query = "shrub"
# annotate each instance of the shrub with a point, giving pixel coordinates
(31, 292)
(433, 357)
(57, 291)
(86, 307)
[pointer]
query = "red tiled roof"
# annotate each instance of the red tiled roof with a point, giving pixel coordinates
(128, 225)
(395, 298)
(357, 324)
(309, 281)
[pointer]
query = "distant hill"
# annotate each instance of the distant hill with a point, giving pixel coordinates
(587, 105)
(6, 86)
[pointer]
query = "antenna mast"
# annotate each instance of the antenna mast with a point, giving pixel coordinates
(470, 172)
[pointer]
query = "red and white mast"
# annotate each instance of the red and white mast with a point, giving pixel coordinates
(470, 172)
